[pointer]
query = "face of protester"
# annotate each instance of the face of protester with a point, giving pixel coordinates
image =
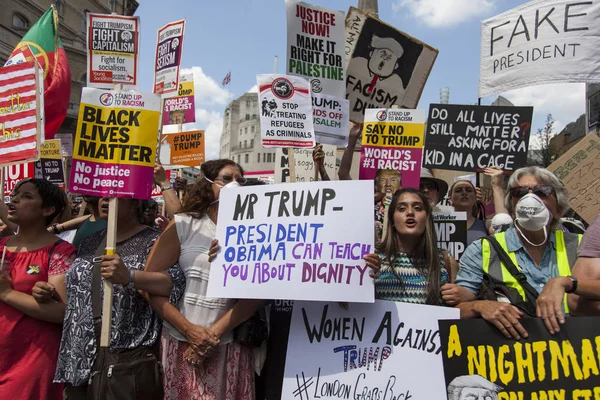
(430, 190)
(126, 208)
(382, 62)
(477, 394)
(150, 214)
(26, 205)
(229, 171)
(549, 201)
(388, 182)
(463, 196)
(410, 217)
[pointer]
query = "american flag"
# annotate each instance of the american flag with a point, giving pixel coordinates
(227, 79)
(19, 124)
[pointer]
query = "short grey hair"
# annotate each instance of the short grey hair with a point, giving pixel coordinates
(544, 177)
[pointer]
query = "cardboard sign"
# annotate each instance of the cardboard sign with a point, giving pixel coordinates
(168, 57)
(543, 41)
(20, 113)
(451, 230)
(113, 50)
(286, 111)
(304, 166)
(370, 351)
(386, 67)
(115, 146)
(393, 140)
(51, 162)
(579, 170)
(315, 46)
(304, 241)
(471, 138)
(479, 362)
(180, 109)
(182, 148)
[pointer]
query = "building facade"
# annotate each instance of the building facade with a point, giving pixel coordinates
(18, 16)
(240, 139)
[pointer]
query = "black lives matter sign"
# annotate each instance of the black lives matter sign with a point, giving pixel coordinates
(471, 138)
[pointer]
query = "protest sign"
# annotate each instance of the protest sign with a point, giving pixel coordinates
(451, 230)
(393, 140)
(315, 46)
(66, 143)
(471, 138)
(304, 166)
(168, 57)
(51, 162)
(386, 67)
(543, 41)
(182, 148)
(15, 173)
(113, 50)
(331, 119)
(304, 241)
(282, 165)
(286, 111)
(579, 170)
(180, 109)
(115, 146)
(481, 362)
(20, 113)
(369, 351)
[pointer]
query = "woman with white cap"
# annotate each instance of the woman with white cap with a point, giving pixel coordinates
(433, 188)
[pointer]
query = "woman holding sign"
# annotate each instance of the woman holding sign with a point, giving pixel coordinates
(463, 197)
(200, 357)
(30, 332)
(409, 267)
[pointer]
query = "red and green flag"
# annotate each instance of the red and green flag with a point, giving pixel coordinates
(41, 43)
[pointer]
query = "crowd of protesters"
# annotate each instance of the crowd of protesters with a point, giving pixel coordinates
(53, 265)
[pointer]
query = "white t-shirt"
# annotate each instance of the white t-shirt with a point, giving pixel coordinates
(195, 236)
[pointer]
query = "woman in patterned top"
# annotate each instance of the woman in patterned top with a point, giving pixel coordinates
(410, 267)
(29, 331)
(134, 324)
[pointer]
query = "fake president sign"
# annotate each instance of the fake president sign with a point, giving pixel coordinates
(286, 118)
(301, 242)
(115, 145)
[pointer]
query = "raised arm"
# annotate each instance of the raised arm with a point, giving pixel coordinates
(346, 163)
(172, 202)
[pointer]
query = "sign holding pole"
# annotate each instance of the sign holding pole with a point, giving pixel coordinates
(168, 57)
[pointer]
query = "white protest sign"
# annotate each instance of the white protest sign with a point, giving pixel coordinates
(286, 111)
(315, 47)
(543, 41)
(385, 350)
(331, 116)
(113, 50)
(300, 242)
(168, 57)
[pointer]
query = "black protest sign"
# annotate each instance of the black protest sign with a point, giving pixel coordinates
(471, 138)
(50, 164)
(480, 361)
(451, 230)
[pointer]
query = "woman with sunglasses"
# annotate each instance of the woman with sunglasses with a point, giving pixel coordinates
(201, 361)
(410, 268)
(463, 197)
(535, 199)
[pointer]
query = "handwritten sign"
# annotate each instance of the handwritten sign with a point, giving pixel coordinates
(370, 351)
(393, 140)
(180, 109)
(579, 171)
(304, 165)
(542, 41)
(182, 148)
(451, 230)
(168, 57)
(386, 67)
(480, 362)
(304, 241)
(113, 50)
(471, 138)
(286, 111)
(20, 113)
(115, 145)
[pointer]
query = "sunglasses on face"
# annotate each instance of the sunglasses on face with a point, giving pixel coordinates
(229, 178)
(538, 190)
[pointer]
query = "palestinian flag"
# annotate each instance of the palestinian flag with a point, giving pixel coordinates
(41, 43)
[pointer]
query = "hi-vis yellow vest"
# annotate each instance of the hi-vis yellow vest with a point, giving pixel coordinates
(566, 255)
